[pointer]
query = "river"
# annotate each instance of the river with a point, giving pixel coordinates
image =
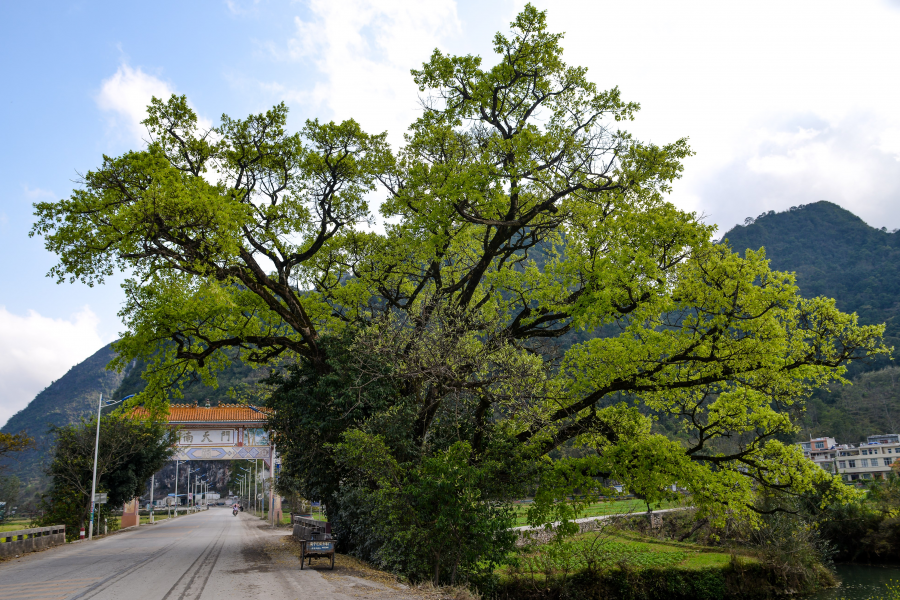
(859, 582)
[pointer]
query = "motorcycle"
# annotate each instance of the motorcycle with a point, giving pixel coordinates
(234, 512)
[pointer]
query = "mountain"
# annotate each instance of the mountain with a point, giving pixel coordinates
(849, 413)
(75, 395)
(835, 253)
(69, 398)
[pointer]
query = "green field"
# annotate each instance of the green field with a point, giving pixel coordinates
(606, 507)
(609, 551)
(13, 525)
(286, 517)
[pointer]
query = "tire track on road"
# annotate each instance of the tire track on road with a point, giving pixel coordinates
(103, 584)
(213, 549)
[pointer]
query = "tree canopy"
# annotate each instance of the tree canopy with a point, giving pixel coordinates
(517, 214)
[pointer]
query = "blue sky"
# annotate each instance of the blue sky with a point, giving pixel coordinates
(785, 103)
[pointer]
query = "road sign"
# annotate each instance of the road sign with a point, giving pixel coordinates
(100, 498)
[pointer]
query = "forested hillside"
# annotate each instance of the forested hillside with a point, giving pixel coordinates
(238, 378)
(835, 253)
(850, 413)
(69, 398)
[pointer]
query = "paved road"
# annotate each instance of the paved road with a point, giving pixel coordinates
(208, 555)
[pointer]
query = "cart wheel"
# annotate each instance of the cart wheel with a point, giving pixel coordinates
(332, 561)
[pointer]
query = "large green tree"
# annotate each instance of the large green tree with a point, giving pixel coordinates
(517, 213)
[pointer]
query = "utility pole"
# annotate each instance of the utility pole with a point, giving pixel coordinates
(152, 481)
(272, 485)
(96, 453)
(94, 480)
(176, 488)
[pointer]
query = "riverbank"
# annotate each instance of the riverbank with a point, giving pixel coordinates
(863, 582)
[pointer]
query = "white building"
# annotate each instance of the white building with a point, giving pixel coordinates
(871, 459)
(817, 445)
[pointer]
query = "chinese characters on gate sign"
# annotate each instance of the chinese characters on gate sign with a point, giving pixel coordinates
(223, 437)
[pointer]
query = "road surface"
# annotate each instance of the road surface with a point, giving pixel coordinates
(208, 555)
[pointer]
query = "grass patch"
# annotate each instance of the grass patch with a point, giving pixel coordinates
(599, 552)
(14, 525)
(618, 565)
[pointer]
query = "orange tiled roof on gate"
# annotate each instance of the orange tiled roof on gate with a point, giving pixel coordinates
(187, 413)
(191, 413)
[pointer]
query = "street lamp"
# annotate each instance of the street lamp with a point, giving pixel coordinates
(249, 486)
(100, 406)
(240, 482)
(191, 501)
(256, 486)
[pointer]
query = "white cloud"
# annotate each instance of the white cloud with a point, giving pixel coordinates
(240, 9)
(37, 192)
(734, 77)
(365, 49)
(844, 161)
(36, 350)
(126, 95)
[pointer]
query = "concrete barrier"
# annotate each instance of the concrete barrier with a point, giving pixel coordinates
(19, 542)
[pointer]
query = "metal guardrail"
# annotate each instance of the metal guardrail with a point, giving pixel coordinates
(14, 543)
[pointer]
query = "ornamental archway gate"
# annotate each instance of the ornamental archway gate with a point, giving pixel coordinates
(229, 432)
(220, 433)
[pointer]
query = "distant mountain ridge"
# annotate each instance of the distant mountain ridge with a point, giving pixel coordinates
(836, 254)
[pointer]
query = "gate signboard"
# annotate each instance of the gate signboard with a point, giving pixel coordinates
(224, 432)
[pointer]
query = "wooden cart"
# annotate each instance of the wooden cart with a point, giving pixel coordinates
(315, 542)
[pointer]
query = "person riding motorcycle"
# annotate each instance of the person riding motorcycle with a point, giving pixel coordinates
(235, 508)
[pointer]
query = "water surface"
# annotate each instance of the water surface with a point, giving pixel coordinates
(860, 582)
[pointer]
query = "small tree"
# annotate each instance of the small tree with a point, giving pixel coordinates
(9, 493)
(438, 519)
(10, 443)
(129, 452)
